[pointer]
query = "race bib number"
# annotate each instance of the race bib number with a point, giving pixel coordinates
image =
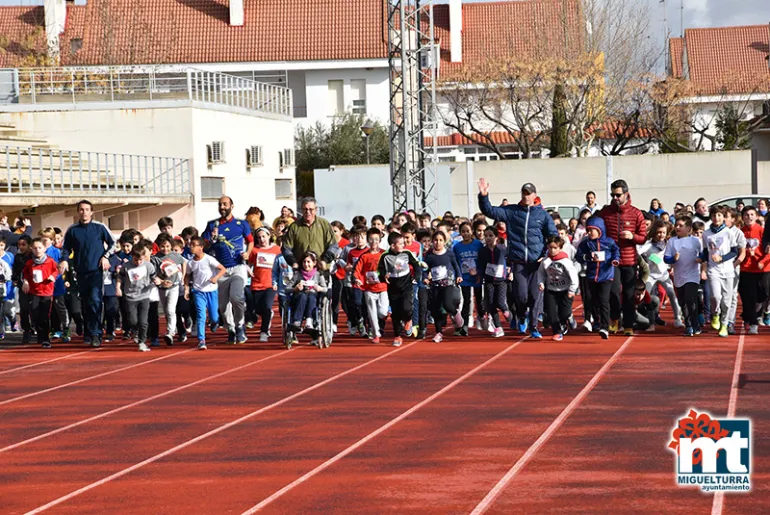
(309, 284)
(372, 278)
(37, 276)
(265, 259)
(154, 295)
(468, 266)
(401, 267)
(438, 273)
(752, 243)
(496, 271)
(107, 278)
(169, 268)
(655, 259)
(137, 274)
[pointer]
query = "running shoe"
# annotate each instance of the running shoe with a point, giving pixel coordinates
(231, 337)
(438, 338)
(397, 341)
(659, 321)
(523, 324)
(716, 324)
(557, 337)
(614, 325)
(143, 347)
(202, 346)
(766, 318)
(723, 333)
(572, 323)
(535, 334)
(630, 332)
(730, 328)
(604, 334)
(26, 337)
(499, 333)
(155, 342)
(678, 323)
(689, 332)
(754, 329)
(458, 319)
(263, 337)
(240, 336)
(376, 340)
(46, 345)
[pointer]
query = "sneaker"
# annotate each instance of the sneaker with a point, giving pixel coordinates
(314, 342)
(572, 323)
(46, 345)
(508, 316)
(438, 338)
(56, 335)
(376, 340)
(334, 328)
(630, 332)
(478, 325)
(26, 337)
(697, 331)
(730, 328)
(689, 332)
(754, 329)
(213, 327)
(128, 335)
(523, 324)
(499, 333)
(168, 339)
(308, 323)
(240, 336)
(415, 331)
(14, 327)
(458, 319)
(678, 323)
(96, 342)
(408, 328)
(263, 337)
(231, 337)
(202, 346)
(143, 347)
(535, 334)
(557, 337)
(397, 341)
(604, 334)
(421, 335)
(109, 337)
(614, 326)
(650, 329)
(659, 321)
(766, 318)
(361, 329)
(2, 336)
(464, 331)
(491, 326)
(723, 331)
(249, 325)
(155, 342)
(701, 320)
(715, 323)
(182, 337)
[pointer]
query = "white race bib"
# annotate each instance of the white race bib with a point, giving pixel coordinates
(137, 274)
(37, 276)
(599, 255)
(309, 284)
(372, 277)
(468, 265)
(438, 273)
(265, 259)
(401, 267)
(107, 278)
(496, 271)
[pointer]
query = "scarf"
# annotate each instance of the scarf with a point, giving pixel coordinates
(308, 274)
(40, 260)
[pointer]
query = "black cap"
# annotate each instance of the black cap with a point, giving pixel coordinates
(529, 187)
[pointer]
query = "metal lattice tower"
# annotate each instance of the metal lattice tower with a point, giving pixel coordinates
(413, 60)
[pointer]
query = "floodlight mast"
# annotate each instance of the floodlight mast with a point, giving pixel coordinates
(413, 60)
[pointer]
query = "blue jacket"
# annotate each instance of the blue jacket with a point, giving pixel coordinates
(598, 271)
(527, 226)
(90, 242)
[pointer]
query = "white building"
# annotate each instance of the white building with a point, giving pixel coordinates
(726, 66)
(142, 144)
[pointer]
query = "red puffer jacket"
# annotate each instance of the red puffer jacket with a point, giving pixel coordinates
(624, 218)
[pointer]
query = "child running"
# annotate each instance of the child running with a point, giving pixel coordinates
(204, 271)
(444, 275)
(683, 253)
(397, 268)
(467, 254)
(600, 255)
(492, 265)
(39, 274)
(375, 292)
(754, 280)
(263, 287)
(558, 278)
(720, 249)
(136, 281)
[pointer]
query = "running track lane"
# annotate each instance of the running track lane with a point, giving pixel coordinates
(91, 452)
(40, 415)
(435, 460)
(611, 455)
(268, 451)
(11, 365)
(752, 401)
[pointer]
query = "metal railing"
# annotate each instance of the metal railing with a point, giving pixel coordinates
(114, 83)
(43, 171)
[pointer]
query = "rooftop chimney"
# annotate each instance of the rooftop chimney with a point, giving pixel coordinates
(456, 30)
(236, 13)
(55, 16)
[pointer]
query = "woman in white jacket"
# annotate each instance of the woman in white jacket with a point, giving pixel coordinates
(652, 252)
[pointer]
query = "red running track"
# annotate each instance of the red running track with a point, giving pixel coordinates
(471, 425)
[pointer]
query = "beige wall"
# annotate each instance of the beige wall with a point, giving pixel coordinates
(669, 177)
(763, 177)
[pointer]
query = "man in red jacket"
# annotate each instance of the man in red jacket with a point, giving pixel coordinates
(625, 225)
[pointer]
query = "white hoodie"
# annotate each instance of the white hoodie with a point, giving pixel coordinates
(558, 274)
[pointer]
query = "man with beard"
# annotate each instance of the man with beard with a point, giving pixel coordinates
(625, 225)
(230, 240)
(702, 212)
(309, 233)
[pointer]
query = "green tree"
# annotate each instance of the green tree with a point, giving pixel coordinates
(340, 143)
(733, 132)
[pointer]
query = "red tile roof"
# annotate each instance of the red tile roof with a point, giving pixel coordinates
(724, 60)
(198, 31)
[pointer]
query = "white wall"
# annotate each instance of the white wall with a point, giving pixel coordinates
(317, 92)
(178, 132)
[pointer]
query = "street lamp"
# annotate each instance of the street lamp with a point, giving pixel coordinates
(367, 128)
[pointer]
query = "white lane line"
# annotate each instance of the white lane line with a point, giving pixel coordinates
(555, 425)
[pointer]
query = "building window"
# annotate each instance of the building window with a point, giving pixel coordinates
(212, 188)
(336, 100)
(358, 94)
(286, 158)
(254, 155)
(216, 152)
(283, 188)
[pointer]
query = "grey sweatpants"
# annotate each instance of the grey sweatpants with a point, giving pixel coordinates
(232, 290)
(168, 299)
(721, 296)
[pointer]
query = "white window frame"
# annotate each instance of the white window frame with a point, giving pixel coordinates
(212, 198)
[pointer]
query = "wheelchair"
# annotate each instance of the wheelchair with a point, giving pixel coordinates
(323, 329)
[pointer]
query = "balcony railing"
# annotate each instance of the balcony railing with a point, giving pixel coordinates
(43, 171)
(127, 84)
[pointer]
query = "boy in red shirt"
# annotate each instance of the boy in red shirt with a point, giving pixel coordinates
(38, 279)
(368, 279)
(348, 260)
(754, 280)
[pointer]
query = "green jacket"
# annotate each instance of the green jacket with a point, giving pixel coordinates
(300, 238)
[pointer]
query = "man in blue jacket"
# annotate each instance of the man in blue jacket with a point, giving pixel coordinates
(91, 244)
(528, 225)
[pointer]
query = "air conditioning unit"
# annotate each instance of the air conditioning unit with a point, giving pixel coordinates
(254, 155)
(216, 152)
(287, 157)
